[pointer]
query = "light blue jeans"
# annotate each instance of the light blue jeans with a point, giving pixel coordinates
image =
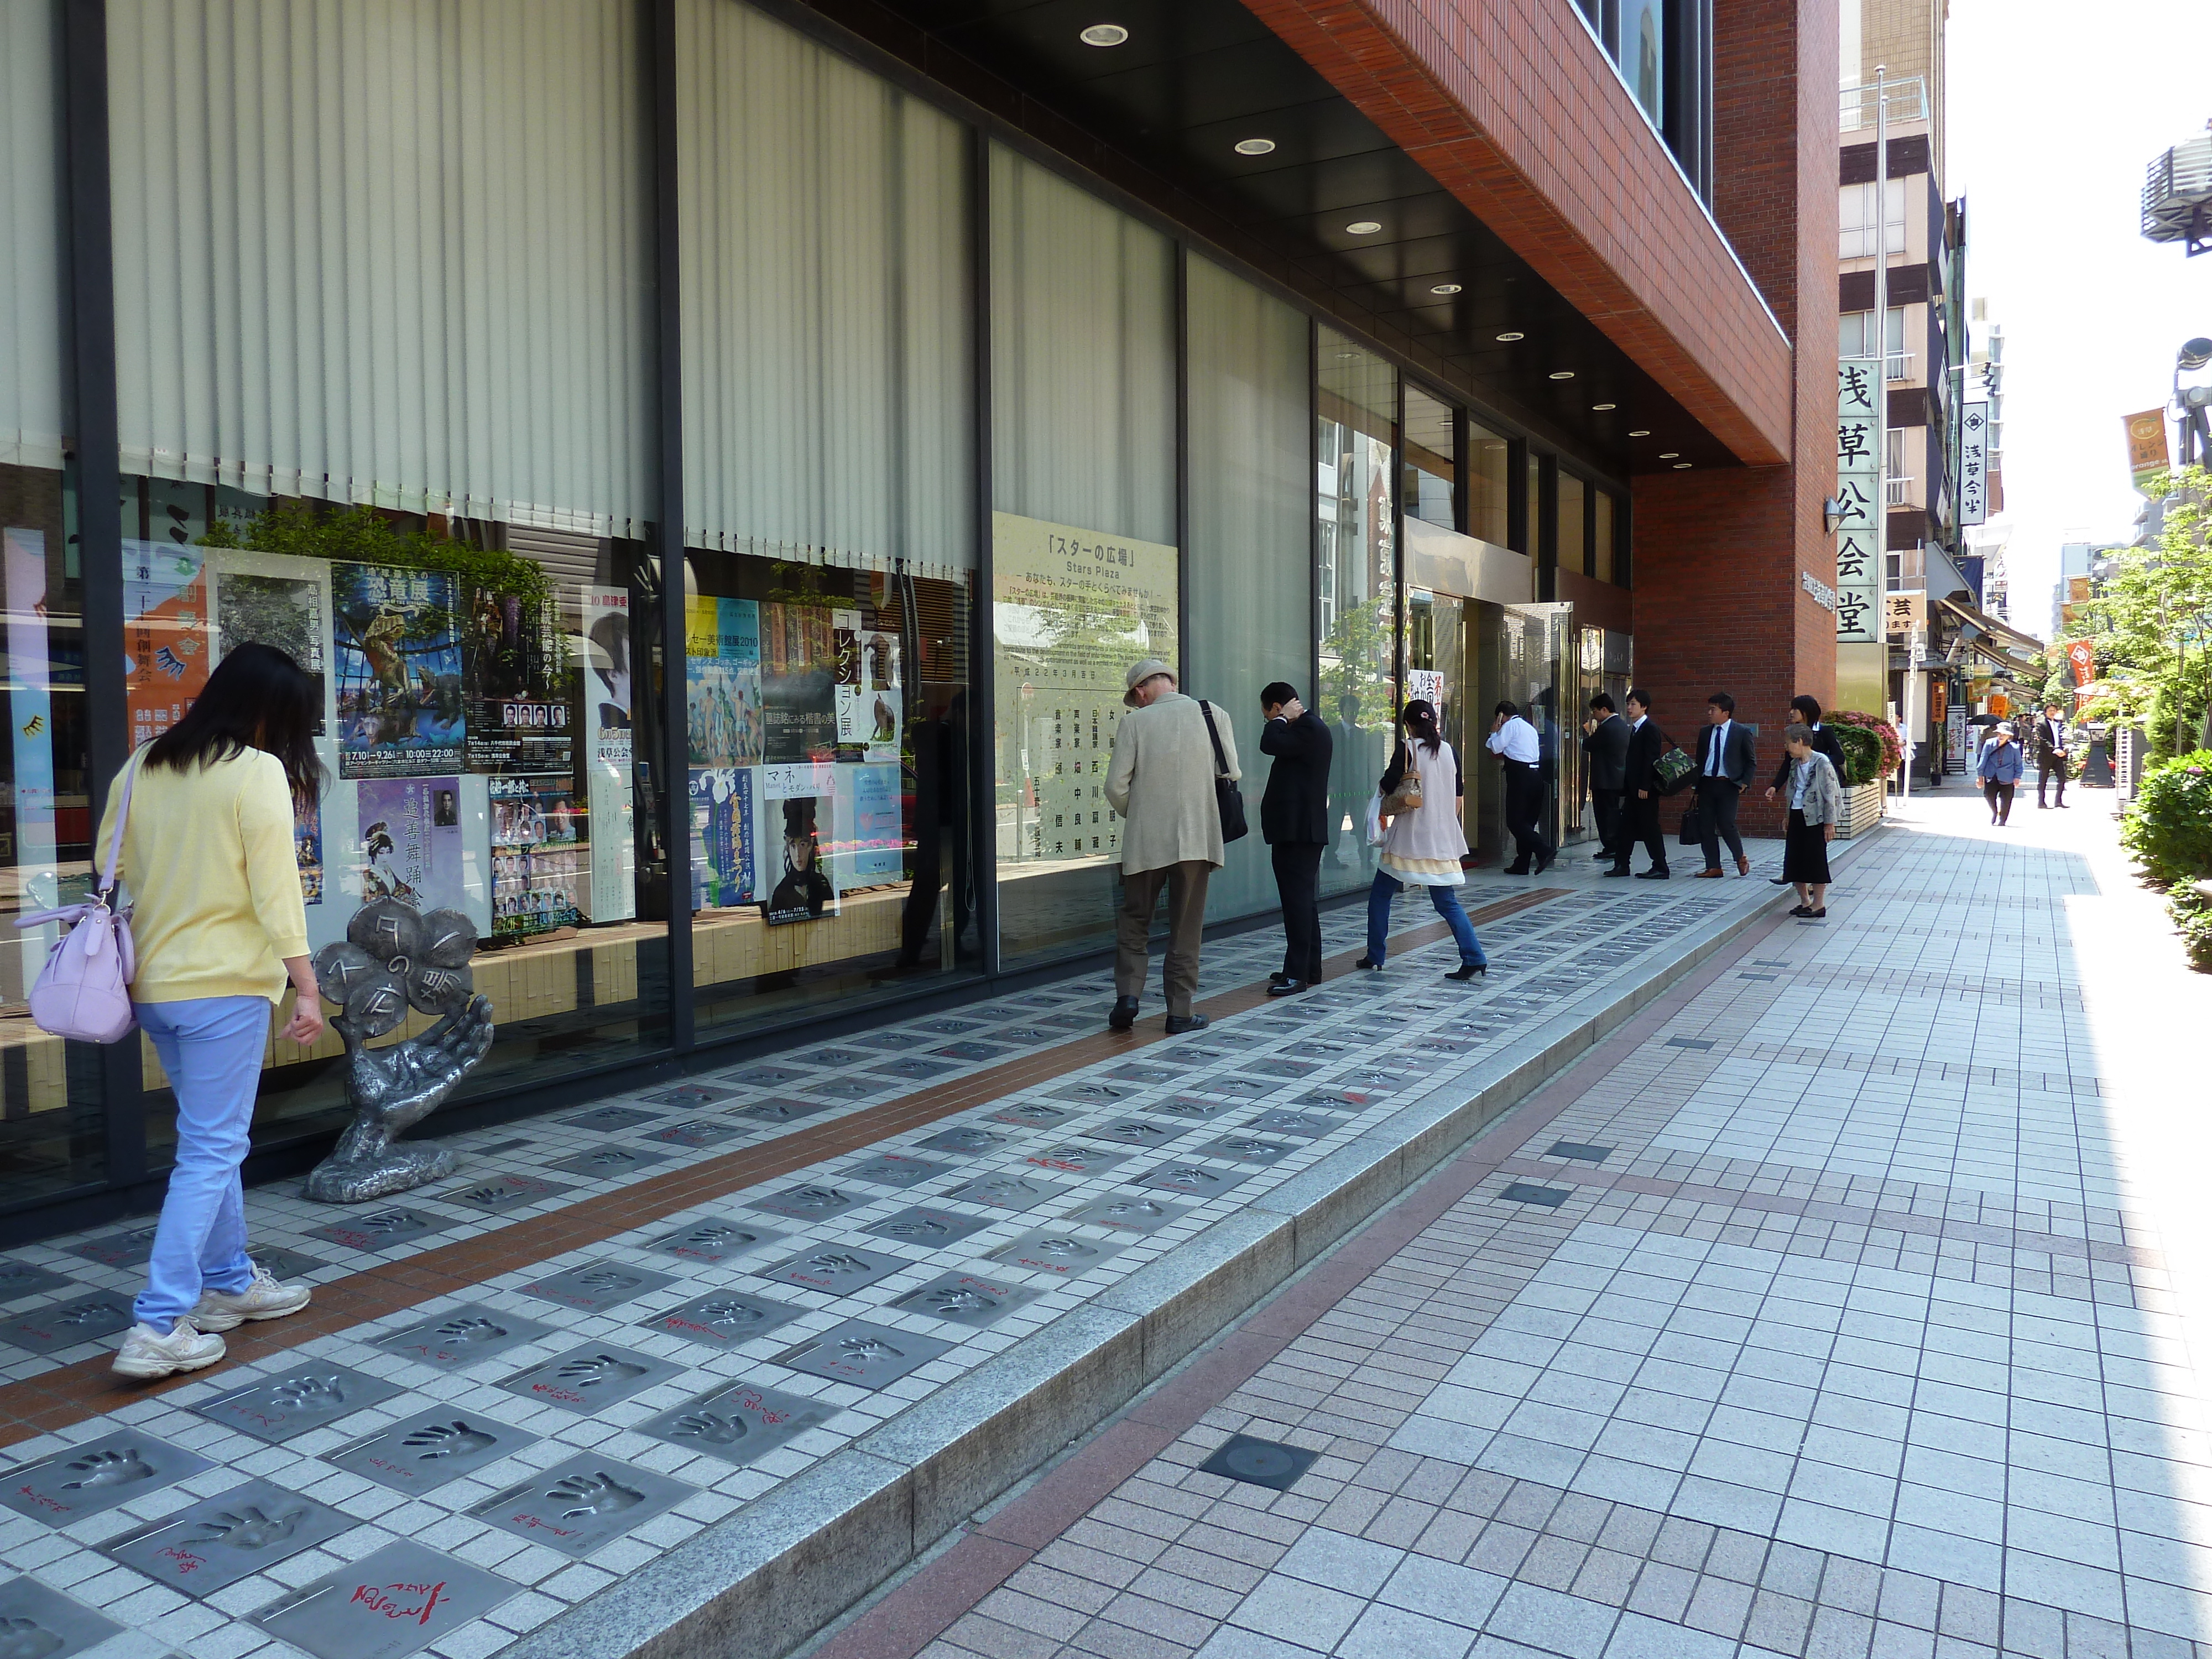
(1446, 899)
(211, 1049)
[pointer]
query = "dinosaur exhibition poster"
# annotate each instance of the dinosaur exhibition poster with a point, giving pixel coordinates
(399, 702)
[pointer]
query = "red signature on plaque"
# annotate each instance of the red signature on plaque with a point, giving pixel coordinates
(400, 1601)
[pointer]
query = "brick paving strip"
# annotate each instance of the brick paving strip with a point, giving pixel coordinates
(908, 1618)
(70, 1393)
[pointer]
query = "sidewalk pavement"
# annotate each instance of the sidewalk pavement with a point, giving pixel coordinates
(620, 1328)
(1839, 1304)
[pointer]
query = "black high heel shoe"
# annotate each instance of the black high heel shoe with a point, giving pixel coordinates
(1468, 971)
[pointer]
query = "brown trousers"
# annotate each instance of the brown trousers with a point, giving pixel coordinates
(1140, 896)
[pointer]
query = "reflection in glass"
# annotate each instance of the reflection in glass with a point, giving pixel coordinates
(1429, 469)
(1601, 520)
(1570, 550)
(1487, 504)
(1356, 577)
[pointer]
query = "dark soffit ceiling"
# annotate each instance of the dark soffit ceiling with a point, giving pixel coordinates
(1196, 76)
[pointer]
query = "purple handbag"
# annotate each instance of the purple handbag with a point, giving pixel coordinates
(83, 991)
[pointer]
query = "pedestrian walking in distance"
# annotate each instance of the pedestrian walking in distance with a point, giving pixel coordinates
(1161, 781)
(1640, 777)
(1425, 843)
(1515, 742)
(1605, 742)
(221, 928)
(1816, 797)
(2049, 753)
(1805, 711)
(2000, 769)
(1294, 823)
(1727, 761)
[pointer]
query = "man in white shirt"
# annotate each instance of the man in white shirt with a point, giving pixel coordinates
(1514, 741)
(1726, 763)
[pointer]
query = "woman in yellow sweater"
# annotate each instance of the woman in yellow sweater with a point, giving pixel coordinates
(221, 926)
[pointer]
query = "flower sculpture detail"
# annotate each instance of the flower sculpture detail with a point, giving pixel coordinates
(396, 957)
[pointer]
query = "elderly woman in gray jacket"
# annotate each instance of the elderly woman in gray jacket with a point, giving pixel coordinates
(1816, 797)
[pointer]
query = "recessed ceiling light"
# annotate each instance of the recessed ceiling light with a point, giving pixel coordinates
(1668, 454)
(1681, 467)
(1364, 227)
(1563, 374)
(1445, 287)
(1512, 334)
(1104, 35)
(1255, 146)
(1605, 406)
(1644, 432)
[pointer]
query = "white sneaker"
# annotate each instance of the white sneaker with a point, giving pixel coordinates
(264, 1298)
(145, 1354)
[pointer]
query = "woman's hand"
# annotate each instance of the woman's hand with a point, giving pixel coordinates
(1827, 832)
(307, 1022)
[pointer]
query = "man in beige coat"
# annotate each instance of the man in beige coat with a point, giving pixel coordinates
(1162, 784)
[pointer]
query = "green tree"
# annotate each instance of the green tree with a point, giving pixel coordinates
(2153, 620)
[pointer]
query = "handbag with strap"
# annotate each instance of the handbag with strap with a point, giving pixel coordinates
(1693, 830)
(1674, 768)
(1228, 799)
(1407, 795)
(83, 991)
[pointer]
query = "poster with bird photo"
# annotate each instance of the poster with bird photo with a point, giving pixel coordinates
(399, 702)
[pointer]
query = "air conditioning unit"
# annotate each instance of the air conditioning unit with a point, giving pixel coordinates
(2176, 200)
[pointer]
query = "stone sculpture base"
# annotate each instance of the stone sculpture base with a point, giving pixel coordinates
(339, 1179)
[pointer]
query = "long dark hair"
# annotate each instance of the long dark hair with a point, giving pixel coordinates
(1420, 718)
(257, 698)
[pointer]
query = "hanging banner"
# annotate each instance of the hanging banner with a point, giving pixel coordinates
(2082, 657)
(2148, 456)
(1858, 532)
(1974, 464)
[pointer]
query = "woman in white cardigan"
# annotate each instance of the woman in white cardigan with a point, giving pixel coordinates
(1424, 845)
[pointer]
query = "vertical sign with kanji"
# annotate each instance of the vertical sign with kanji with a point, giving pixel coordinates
(1858, 545)
(1974, 464)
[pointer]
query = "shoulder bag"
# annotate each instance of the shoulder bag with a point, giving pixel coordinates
(1674, 768)
(1407, 795)
(1228, 799)
(83, 991)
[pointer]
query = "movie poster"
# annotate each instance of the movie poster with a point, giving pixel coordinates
(273, 599)
(797, 649)
(165, 656)
(866, 676)
(724, 719)
(803, 891)
(410, 841)
(399, 703)
(307, 848)
(723, 866)
(517, 694)
(608, 793)
(537, 859)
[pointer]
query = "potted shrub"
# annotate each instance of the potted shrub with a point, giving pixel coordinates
(2168, 828)
(1871, 754)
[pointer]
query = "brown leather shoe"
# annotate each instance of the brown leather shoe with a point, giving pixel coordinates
(1742, 864)
(1707, 875)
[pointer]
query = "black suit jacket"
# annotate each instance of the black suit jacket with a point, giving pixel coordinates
(1824, 743)
(1739, 757)
(1646, 743)
(1295, 809)
(1608, 749)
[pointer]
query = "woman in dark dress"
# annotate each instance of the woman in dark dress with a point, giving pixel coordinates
(1815, 798)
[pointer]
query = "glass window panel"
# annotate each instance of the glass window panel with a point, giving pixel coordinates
(1084, 567)
(1487, 504)
(1571, 493)
(485, 622)
(1250, 600)
(1430, 442)
(1601, 512)
(1643, 54)
(1356, 576)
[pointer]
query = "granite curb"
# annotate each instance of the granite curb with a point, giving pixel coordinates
(766, 1579)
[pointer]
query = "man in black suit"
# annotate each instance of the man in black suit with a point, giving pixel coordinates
(1294, 820)
(2049, 735)
(1727, 759)
(1605, 745)
(1805, 711)
(1640, 782)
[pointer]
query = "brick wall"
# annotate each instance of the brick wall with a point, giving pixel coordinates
(1513, 107)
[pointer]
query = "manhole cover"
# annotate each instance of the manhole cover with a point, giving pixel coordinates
(1521, 1192)
(1579, 1152)
(1260, 1462)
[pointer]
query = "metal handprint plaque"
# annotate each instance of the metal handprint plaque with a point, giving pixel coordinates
(395, 958)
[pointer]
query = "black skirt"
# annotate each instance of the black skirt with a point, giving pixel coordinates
(1804, 851)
